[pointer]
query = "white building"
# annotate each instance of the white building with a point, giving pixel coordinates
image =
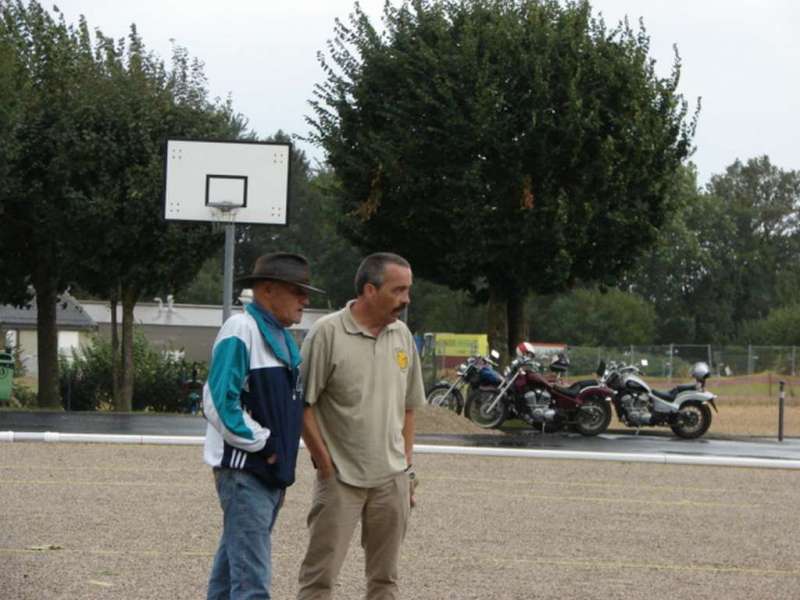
(187, 328)
(75, 328)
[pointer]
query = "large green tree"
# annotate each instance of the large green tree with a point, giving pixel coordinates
(502, 146)
(14, 278)
(682, 275)
(762, 203)
(131, 251)
(47, 71)
(728, 255)
(84, 142)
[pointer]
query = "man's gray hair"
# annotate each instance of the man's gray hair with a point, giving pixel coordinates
(373, 268)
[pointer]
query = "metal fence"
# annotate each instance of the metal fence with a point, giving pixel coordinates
(676, 360)
(669, 361)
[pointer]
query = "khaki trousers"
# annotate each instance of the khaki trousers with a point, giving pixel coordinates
(335, 510)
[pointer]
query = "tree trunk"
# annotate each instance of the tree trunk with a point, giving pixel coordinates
(47, 340)
(129, 298)
(497, 320)
(517, 325)
(116, 361)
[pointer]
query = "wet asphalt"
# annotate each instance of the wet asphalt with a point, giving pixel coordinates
(653, 441)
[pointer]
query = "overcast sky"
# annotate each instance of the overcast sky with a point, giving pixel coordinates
(740, 56)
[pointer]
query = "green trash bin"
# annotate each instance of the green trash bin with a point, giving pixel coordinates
(6, 376)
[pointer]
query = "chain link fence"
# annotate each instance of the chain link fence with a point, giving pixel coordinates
(670, 361)
(675, 360)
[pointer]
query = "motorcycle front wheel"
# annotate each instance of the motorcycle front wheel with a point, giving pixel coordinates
(477, 409)
(693, 420)
(593, 417)
(441, 395)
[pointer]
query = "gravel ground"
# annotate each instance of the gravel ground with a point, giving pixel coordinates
(436, 420)
(138, 522)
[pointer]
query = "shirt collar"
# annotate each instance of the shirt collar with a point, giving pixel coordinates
(353, 327)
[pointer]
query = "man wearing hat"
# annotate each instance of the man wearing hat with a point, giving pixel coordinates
(255, 414)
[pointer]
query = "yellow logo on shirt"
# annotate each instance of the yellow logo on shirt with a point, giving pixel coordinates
(402, 359)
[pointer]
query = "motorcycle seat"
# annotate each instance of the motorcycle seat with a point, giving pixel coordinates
(575, 388)
(567, 391)
(673, 393)
(584, 383)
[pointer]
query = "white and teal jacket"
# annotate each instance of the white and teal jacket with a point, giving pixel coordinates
(252, 400)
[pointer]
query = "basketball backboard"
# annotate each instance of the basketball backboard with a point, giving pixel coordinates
(234, 182)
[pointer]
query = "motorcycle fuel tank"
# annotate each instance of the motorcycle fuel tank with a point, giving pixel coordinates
(634, 384)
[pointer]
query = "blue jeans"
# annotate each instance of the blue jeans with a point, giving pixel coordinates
(243, 565)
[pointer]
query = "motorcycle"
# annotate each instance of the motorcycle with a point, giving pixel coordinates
(476, 371)
(526, 394)
(684, 408)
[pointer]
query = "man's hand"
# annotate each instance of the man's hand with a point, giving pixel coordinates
(413, 482)
(271, 460)
(312, 436)
(326, 470)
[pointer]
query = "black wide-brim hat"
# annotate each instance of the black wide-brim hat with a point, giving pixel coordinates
(281, 266)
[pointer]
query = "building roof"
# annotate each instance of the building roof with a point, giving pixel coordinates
(69, 315)
(180, 315)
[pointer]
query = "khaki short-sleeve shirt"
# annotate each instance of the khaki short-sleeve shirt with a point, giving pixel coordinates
(360, 387)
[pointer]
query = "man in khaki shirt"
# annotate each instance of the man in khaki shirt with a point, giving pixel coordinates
(362, 380)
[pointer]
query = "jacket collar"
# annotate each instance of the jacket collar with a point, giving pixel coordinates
(269, 326)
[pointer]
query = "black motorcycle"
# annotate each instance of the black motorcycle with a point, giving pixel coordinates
(473, 373)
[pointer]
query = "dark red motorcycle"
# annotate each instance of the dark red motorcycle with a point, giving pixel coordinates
(525, 393)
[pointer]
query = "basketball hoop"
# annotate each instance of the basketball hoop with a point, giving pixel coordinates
(222, 214)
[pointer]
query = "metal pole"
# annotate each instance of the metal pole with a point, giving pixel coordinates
(671, 359)
(227, 281)
(781, 401)
(749, 359)
(794, 358)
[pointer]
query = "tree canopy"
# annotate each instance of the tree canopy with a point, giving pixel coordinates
(729, 255)
(82, 130)
(502, 147)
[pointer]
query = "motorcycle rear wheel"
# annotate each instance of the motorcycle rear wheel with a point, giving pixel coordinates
(438, 396)
(477, 406)
(694, 419)
(593, 417)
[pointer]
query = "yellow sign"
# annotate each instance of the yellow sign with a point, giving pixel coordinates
(461, 344)
(402, 360)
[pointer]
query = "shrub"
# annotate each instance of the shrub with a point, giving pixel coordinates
(159, 378)
(22, 396)
(85, 376)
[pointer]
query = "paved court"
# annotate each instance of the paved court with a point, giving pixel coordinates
(135, 522)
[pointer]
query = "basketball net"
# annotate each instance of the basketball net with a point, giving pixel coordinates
(222, 214)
